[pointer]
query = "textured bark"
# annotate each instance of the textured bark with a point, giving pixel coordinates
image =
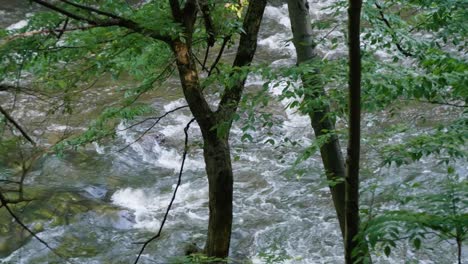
(216, 147)
(220, 180)
(217, 158)
(244, 56)
(323, 125)
(352, 251)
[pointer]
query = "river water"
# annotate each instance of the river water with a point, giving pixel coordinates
(112, 199)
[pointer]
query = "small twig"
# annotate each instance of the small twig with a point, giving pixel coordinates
(179, 181)
(328, 34)
(63, 28)
(387, 23)
(437, 103)
(207, 52)
(159, 118)
(18, 126)
(202, 64)
(220, 54)
(91, 9)
(48, 31)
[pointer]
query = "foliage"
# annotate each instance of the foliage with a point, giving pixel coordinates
(442, 214)
(197, 259)
(445, 143)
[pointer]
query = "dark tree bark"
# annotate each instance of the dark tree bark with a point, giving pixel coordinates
(352, 162)
(216, 146)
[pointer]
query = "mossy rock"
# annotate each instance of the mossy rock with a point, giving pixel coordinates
(72, 245)
(46, 210)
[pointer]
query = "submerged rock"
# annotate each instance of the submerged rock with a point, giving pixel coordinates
(47, 210)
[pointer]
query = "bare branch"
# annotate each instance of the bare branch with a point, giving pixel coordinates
(207, 52)
(4, 203)
(65, 12)
(179, 181)
(65, 24)
(387, 23)
(159, 118)
(220, 54)
(92, 9)
(18, 126)
(202, 64)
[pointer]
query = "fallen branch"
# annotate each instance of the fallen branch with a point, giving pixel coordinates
(179, 181)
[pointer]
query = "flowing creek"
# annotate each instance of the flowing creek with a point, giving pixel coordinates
(98, 201)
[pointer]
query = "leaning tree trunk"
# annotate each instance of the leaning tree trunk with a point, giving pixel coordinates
(322, 123)
(353, 254)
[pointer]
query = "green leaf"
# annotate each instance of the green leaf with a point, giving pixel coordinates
(417, 243)
(387, 251)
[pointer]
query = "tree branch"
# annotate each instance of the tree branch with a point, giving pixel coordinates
(387, 23)
(438, 103)
(113, 20)
(47, 31)
(18, 126)
(179, 181)
(210, 30)
(91, 9)
(244, 56)
(176, 10)
(220, 54)
(4, 203)
(159, 118)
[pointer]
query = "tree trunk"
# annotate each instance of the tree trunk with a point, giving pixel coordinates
(220, 180)
(352, 251)
(322, 123)
(216, 145)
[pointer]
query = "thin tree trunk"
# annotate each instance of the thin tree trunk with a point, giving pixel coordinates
(459, 246)
(352, 220)
(321, 122)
